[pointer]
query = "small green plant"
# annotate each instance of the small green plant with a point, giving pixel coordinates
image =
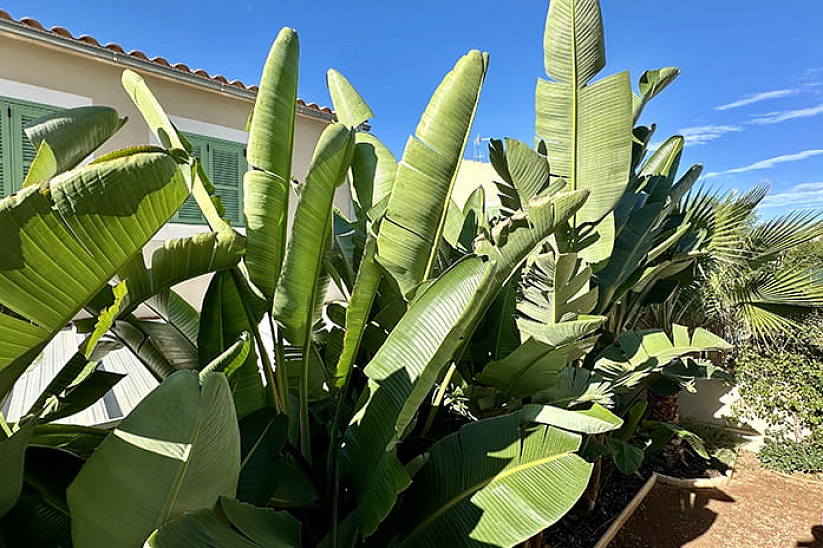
(721, 444)
(789, 456)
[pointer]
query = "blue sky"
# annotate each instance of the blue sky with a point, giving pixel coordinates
(749, 99)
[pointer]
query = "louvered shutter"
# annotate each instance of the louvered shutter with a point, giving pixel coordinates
(23, 149)
(5, 120)
(227, 165)
(224, 163)
(189, 213)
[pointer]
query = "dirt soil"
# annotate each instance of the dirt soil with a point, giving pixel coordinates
(757, 508)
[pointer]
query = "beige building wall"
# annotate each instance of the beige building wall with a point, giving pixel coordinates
(471, 175)
(39, 71)
(26, 65)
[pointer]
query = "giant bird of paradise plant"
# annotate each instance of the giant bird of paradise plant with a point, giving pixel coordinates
(252, 442)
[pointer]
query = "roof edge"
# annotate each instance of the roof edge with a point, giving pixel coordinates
(59, 37)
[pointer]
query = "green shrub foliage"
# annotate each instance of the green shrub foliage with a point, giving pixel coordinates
(783, 383)
(789, 456)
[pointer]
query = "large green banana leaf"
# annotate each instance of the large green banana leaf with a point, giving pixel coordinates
(587, 128)
(525, 173)
(64, 242)
(357, 313)
(411, 231)
(637, 354)
(535, 365)
(349, 106)
(179, 260)
(491, 484)
(652, 82)
(225, 318)
(160, 347)
(156, 118)
(266, 185)
(12, 453)
(178, 451)
(400, 376)
(373, 166)
(242, 526)
(554, 290)
(65, 138)
(295, 301)
(374, 170)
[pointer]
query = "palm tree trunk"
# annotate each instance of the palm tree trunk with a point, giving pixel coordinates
(663, 408)
(667, 409)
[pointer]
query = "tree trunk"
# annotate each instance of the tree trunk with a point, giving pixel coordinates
(667, 409)
(663, 408)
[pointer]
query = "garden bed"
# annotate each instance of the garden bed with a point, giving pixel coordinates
(757, 507)
(585, 529)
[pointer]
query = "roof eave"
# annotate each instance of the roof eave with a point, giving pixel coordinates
(147, 66)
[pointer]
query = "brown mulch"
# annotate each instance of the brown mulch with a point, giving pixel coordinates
(757, 508)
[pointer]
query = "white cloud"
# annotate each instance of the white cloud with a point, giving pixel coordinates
(757, 97)
(700, 135)
(769, 163)
(777, 117)
(805, 195)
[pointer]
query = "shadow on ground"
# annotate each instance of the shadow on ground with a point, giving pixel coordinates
(670, 517)
(816, 541)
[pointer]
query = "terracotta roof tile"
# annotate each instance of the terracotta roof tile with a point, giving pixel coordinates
(89, 40)
(62, 32)
(137, 54)
(32, 23)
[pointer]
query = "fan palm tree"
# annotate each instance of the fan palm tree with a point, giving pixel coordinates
(741, 287)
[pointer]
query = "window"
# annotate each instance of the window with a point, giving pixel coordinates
(16, 151)
(224, 163)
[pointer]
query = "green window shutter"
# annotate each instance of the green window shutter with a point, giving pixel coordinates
(16, 151)
(5, 119)
(189, 213)
(224, 163)
(227, 165)
(23, 150)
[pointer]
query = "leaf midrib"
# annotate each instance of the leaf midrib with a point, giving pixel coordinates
(477, 487)
(184, 467)
(575, 103)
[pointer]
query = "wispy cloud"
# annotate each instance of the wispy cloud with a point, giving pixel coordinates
(700, 135)
(777, 117)
(804, 195)
(812, 75)
(770, 162)
(758, 97)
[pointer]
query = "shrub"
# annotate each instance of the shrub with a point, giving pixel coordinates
(789, 456)
(783, 383)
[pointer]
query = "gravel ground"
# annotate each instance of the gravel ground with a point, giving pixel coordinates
(757, 508)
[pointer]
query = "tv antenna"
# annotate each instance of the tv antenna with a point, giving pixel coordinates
(479, 149)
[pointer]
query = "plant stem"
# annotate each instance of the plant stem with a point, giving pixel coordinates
(258, 339)
(305, 434)
(4, 425)
(280, 379)
(335, 497)
(438, 399)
